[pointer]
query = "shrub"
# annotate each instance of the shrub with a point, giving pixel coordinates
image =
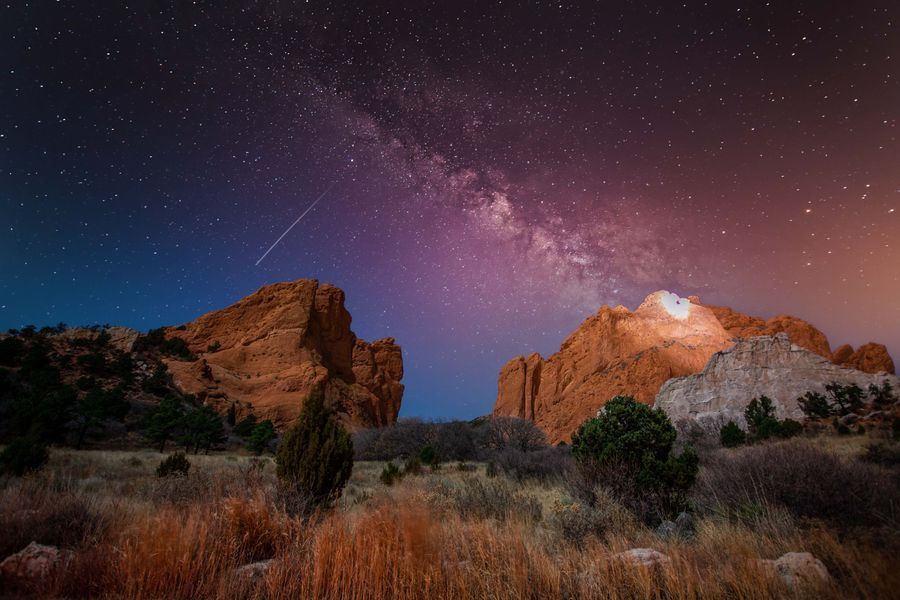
(23, 455)
(428, 455)
(476, 498)
(808, 482)
(814, 405)
(884, 454)
(882, 395)
(214, 347)
(636, 442)
(315, 457)
(413, 466)
(760, 417)
(245, 426)
(575, 522)
(789, 428)
(547, 465)
(390, 474)
(731, 435)
(261, 436)
(174, 465)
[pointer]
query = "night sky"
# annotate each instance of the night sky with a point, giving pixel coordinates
(497, 171)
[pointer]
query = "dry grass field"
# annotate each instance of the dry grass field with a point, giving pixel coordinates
(453, 533)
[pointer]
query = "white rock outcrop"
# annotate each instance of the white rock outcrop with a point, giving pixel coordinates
(753, 367)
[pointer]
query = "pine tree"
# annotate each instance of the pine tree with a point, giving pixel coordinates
(315, 457)
(164, 421)
(260, 437)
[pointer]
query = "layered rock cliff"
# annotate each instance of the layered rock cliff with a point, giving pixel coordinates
(269, 351)
(766, 365)
(615, 351)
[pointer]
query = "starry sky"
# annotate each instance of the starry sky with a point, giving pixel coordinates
(496, 171)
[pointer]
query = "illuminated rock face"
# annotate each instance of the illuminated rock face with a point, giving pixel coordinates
(615, 351)
(278, 345)
(768, 365)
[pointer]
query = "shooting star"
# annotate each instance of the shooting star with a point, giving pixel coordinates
(286, 231)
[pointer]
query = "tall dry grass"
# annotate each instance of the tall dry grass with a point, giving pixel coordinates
(408, 541)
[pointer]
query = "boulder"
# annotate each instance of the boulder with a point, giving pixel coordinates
(642, 557)
(281, 343)
(682, 527)
(767, 365)
(33, 565)
(253, 572)
(797, 569)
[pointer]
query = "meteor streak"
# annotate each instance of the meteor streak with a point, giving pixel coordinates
(286, 231)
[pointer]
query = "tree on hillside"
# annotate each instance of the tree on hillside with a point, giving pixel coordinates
(245, 426)
(845, 398)
(97, 406)
(315, 457)
(163, 423)
(259, 438)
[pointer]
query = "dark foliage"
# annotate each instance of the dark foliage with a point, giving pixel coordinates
(636, 442)
(815, 406)
(156, 340)
(158, 383)
(245, 426)
(546, 466)
(96, 407)
(502, 433)
(201, 429)
(259, 438)
(11, 351)
(428, 456)
(163, 423)
(174, 465)
(315, 457)
(883, 395)
(808, 482)
(845, 399)
(731, 435)
(23, 454)
(881, 453)
(390, 474)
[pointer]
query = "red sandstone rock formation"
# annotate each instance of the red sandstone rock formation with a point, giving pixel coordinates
(618, 351)
(871, 358)
(615, 351)
(278, 345)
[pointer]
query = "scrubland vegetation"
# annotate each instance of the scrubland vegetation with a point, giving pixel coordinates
(453, 531)
(481, 509)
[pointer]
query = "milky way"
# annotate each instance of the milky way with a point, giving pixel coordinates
(499, 172)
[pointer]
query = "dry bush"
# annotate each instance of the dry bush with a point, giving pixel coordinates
(30, 510)
(575, 522)
(477, 498)
(808, 482)
(479, 542)
(548, 465)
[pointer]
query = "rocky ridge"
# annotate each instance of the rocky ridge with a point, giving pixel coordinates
(267, 352)
(764, 365)
(615, 351)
